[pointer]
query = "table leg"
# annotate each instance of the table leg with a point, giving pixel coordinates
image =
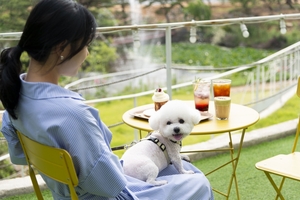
(141, 136)
(235, 162)
(233, 177)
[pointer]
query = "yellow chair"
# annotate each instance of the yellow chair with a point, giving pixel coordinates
(285, 166)
(53, 162)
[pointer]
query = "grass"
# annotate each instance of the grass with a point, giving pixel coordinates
(252, 183)
(288, 111)
(31, 196)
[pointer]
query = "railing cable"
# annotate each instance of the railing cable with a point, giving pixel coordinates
(119, 81)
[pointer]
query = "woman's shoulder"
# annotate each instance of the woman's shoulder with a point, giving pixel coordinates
(72, 108)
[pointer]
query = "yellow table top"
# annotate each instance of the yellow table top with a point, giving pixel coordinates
(240, 117)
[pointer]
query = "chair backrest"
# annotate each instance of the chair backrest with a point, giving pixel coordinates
(298, 87)
(298, 126)
(52, 162)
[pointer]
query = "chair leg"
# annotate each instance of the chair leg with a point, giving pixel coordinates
(278, 190)
(35, 184)
(73, 192)
(280, 187)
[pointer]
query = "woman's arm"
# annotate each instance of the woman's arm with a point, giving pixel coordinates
(87, 140)
(14, 146)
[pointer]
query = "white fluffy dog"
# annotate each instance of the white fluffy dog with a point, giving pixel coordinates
(174, 121)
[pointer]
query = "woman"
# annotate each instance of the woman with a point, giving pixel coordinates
(56, 36)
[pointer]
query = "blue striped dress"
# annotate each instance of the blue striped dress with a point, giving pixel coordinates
(58, 117)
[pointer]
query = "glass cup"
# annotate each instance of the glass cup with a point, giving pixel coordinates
(201, 95)
(221, 87)
(222, 107)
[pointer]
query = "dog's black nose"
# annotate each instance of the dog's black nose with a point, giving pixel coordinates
(176, 130)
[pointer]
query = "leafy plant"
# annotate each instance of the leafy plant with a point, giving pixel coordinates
(208, 55)
(101, 58)
(197, 10)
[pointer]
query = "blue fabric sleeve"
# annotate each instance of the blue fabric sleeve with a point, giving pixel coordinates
(14, 146)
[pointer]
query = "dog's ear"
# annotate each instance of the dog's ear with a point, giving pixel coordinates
(154, 120)
(196, 116)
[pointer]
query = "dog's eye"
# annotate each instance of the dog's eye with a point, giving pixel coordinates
(181, 121)
(168, 123)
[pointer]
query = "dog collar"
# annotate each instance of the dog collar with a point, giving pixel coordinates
(177, 142)
(162, 146)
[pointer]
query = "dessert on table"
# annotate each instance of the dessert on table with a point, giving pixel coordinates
(159, 98)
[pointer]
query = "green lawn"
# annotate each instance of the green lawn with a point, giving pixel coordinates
(253, 185)
(46, 194)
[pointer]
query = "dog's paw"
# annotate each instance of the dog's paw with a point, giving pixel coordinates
(188, 172)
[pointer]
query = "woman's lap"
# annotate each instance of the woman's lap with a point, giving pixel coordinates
(179, 186)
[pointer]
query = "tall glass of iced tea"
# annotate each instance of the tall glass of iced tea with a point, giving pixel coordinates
(201, 95)
(221, 87)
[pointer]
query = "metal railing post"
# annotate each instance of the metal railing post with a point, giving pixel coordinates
(135, 132)
(169, 60)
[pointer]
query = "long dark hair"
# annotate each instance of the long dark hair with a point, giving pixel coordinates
(50, 23)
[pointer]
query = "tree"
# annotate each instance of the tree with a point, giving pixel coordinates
(106, 4)
(197, 11)
(166, 6)
(101, 58)
(93, 3)
(245, 4)
(13, 14)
